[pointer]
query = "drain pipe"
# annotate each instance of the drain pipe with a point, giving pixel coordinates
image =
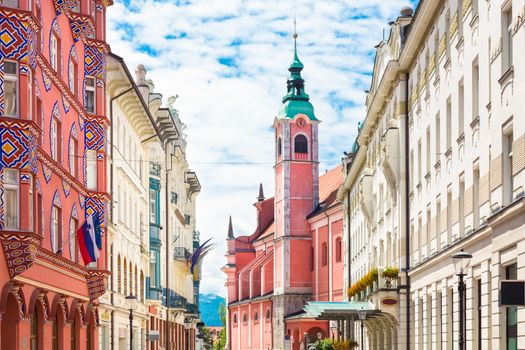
(407, 214)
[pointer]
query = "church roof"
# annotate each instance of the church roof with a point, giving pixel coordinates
(329, 183)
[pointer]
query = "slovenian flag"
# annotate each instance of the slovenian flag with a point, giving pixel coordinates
(89, 237)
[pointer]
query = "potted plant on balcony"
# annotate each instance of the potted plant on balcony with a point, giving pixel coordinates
(390, 274)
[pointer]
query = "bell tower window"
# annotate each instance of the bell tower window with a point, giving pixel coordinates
(279, 147)
(300, 145)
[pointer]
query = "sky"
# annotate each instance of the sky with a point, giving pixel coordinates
(227, 61)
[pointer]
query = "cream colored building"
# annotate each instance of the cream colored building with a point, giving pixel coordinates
(152, 223)
(445, 130)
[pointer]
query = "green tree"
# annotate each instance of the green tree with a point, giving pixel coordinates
(207, 339)
(222, 314)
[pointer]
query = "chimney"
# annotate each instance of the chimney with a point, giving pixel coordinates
(140, 76)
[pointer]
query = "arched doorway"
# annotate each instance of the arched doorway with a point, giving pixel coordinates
(10, 323)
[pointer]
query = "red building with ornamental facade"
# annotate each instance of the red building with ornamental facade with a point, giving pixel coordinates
(52, 170)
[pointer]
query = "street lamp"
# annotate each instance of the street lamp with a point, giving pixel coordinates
(131, 300)
(362, 316)
(461, 264)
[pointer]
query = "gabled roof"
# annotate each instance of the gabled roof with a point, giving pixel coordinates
(329, 183)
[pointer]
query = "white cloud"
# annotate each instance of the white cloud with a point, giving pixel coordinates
(229, 109)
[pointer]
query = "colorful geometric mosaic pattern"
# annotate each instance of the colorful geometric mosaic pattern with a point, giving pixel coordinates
(95, 136)
(19, 251)
(81, 27)
(94, 61)
(14, 37)
(96, 280)
(66, 187)
(16, 147)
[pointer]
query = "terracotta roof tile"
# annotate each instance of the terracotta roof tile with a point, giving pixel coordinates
(330, 182)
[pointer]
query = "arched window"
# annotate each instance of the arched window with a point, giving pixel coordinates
(279, 147)
(324, 254)
(300, 144)
(125, 277)
(244, 318)
(338, 249)
(119, 274)
(256, 316)
(268, 314)
(234, 318)
(136, 282)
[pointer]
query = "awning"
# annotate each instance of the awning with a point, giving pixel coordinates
(338, 310)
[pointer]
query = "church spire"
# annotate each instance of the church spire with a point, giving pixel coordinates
(230, 228)
(260, 198)
(296, 99)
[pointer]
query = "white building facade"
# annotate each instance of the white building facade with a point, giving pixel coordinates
(446, 100)
(152, 220)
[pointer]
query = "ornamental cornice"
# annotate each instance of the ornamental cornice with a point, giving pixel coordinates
(58, 260)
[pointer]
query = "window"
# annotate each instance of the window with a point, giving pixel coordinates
(10, 3)
(90, 95)
(438, 137)
(10, 89)
(461, 109)
(72, 75)
(324, 254)
(125, 277)
(73, 147)
(73, 240)
(460, 18)
(153, 206)
(311, 258)
(54, 49)
(338, 249)
(428, 151)
(300, 144)
(419, 162)
(54, 334)
(153, 269)
(33, 336)
(279, 147)
(39, 116)
(55, 229)
(31, 204)
(449, 124)
(91, 167)
(119, 274)
(235, 318)
(56, 139)
(74, 332)
(475, 90)
(475, 197)
(39, 214)
(461, 206)
(244, 318)
(268, 314)
(187, 219)
(12, 199)
(438, 219)
(412, 178)
(449, 214)
(256, 316)
(507, 167)
(506, 28)
(511, 329)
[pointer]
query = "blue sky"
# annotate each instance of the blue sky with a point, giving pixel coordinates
(227, 61)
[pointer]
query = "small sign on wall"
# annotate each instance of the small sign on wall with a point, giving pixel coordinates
(512, 293)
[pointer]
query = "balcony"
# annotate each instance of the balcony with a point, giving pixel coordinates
(192, 309)
(181, 253)
(376, 286)
(174, 300)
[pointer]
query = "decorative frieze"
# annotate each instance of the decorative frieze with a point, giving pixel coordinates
(442, 46)
(467, 5)
(453, 28)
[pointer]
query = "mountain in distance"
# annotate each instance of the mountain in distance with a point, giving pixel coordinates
(209, 308)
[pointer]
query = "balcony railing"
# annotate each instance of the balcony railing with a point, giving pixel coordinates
(154, 234)
(376, 280)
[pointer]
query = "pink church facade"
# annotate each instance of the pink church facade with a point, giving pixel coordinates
(296, 253)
